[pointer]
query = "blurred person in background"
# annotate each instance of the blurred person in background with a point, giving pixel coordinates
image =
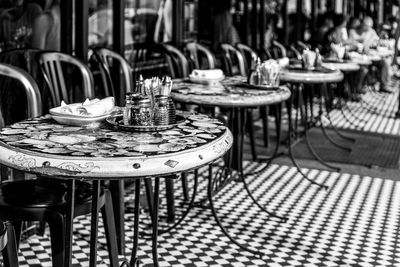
(163, 27)
(223, 29)
(16, 23)
(324, 24)
(46, 32)
(368, 35)
(369, 38)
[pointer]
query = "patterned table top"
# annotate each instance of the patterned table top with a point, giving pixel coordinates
(299, 75)
(346, 66)
(43, 146)
(230, 92)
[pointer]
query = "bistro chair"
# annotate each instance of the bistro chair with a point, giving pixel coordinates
(60, 72)
(43, 199)
(25, 59)
(57, 69)
(295, 52)
(109, 63)
(232, 61)
(177, 63)
(200, 56)
(248, 54)
(278, 50)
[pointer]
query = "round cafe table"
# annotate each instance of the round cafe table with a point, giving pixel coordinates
(310, 78)
(236, 96)
(231, 93)
(44, 147)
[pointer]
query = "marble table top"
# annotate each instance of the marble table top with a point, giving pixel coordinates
(43, 146)
(297, 74)
(230, 92)
(345, 66)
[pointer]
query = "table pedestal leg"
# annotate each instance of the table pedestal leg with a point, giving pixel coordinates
(290, 131)
(69, 222)
(238, 121)
(305, 123)
(155, 221)
(214, 213)
(134, 260)
(94, 223)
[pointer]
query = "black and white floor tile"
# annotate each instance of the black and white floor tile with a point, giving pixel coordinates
(355, 223)
(375, 113)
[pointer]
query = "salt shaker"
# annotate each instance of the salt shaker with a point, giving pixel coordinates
(161, 114)
(127, 111)
(141, 111)
(140, 88)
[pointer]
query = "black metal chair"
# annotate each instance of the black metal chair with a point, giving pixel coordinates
(178, 65)
(200, 56)
(43, 199)
(61, 72)
(110, 62)
(248, 54)
(232, 61)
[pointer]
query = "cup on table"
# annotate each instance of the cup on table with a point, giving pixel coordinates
(308, 59)
(339, 50)
(270, 72)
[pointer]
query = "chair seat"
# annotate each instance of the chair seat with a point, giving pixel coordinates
(41, 193)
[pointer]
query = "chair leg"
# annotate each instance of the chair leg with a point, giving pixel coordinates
(169, 187)
(117, 193)
(264, 115)
(185, 187)
(10, 252)
(56, 223)
(17, 225)
(250, 127)
(107, 214)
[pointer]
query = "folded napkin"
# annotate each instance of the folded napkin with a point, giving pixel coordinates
(97, 108)
(283, 62)
(94, 107)
(213, 74)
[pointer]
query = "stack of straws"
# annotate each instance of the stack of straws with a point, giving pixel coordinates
(153, 87)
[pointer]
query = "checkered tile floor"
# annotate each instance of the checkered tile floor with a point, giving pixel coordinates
(355, 223)
(376, 113)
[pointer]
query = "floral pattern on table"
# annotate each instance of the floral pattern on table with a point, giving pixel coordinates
(232, 91)
(44, 135)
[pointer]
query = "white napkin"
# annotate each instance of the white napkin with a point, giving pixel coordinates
(283, 62)
(71, 109)
(212, 74)
(97, 108)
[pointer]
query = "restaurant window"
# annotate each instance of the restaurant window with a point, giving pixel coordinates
(16, 22)
(190, 20)
(140, 22)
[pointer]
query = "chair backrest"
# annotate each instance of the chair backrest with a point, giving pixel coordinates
(279, 51)
(200, 56)
(34, 101)
(232, 61)
(248, 54)
(25, 59)
(178, 65)
(295, 52)
(107, 59)
(59, 71)
(303, 46)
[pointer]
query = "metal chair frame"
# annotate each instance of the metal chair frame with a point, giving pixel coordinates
(51, 64)
(195, 50)
(228, 52)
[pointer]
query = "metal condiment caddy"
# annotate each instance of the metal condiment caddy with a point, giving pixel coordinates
(150, 104)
